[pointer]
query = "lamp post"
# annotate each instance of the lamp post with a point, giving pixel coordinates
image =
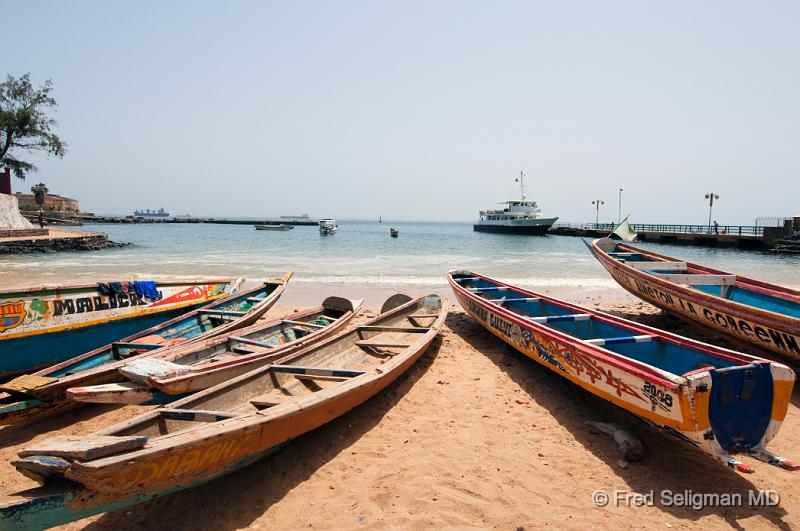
(619, 213)
(597, 202)
(710, 196)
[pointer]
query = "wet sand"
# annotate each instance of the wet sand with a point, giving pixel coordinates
(474, 435)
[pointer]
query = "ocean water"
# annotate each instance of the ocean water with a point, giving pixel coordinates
(361, 253)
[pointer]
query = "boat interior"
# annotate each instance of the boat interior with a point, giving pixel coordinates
(299, 375)
(725, 286)
(592, 328)
(176, 331)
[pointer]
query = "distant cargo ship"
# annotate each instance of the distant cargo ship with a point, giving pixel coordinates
(160, 213)
(518, 217)
(304, 217)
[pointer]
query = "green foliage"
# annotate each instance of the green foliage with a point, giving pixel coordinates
(39, 189)
(24, 123)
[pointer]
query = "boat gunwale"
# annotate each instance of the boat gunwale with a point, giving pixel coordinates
(50, 288)
(740, 310)
(638, 368)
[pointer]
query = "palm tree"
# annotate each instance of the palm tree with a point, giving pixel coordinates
(39, 191)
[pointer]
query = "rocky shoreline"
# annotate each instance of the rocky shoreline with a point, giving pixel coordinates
(58, 241)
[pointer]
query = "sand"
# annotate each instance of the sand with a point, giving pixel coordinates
(474, 435)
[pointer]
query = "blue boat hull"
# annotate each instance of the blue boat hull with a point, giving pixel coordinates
(29, 353)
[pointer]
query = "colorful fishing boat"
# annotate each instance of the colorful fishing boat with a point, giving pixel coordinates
(722, 402)
(46, 325)
(33, 396)
(179, 370)
(224, 428)
(765, 315)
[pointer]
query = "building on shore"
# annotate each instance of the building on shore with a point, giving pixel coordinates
(52, 203)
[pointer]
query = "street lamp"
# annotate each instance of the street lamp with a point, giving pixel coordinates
(710, 196)
(619, 213)
(597, 214)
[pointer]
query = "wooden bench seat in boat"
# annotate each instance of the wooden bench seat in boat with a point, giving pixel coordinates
(140, 370)
(382, 343)
(302, 323)
(196, 415)
(399, 329)
(618, 340)
(84, 447)
(698, 280)
(658, 266)
(557, 318)
(523, 299)
(253, 342)
(273, 398)
(309, 372)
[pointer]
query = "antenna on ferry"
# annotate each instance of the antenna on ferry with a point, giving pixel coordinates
(521, 181)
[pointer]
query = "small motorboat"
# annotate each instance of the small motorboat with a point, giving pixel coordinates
(328, 226)
(394, 233)
(278, 226)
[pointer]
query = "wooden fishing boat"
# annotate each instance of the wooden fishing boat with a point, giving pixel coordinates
(278, 226)
(42, 393)
(224, 428)
(46, 325)
(763, 314)
(722, 402)
(179, 370)
(394, 233)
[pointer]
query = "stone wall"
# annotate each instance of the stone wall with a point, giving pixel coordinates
(52, 202)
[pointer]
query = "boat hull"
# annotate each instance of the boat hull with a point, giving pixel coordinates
(678, 403)
(46, 326)
(768, 330)
(527, 229)
(31, 353)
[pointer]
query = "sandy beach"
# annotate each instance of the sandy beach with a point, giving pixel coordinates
(474, 435)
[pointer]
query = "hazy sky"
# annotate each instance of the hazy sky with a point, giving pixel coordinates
(419, 110)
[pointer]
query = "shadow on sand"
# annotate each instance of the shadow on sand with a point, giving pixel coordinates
(236, 500)
(668, 463)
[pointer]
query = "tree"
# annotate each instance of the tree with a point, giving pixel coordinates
(39, 192)
(24, 123)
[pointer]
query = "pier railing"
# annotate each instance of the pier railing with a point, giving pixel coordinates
(734, 230)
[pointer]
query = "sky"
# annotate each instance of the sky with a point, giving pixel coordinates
(419, 110)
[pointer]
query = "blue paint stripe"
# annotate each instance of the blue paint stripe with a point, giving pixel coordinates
(626, 339)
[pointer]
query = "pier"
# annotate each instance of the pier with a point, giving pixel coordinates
(738, 236)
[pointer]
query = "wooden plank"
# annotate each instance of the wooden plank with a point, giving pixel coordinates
(523, 299)
(302, 323)
(144, 346)
(86, 447)
(409, 329)
(699, 280)
(658, 266)
(251, 342)
(558, 318)
(618, 340)
(319, 371)
(25, 383)
(271, 399)
(322, 377)
(112, 393)
(381, 343)
(222, 313)
(195, 415)
(422, 315)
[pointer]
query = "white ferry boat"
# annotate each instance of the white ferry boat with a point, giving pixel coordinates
(516, 217)
(327, 226)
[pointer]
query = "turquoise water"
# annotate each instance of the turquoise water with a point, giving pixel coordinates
(360, 253)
